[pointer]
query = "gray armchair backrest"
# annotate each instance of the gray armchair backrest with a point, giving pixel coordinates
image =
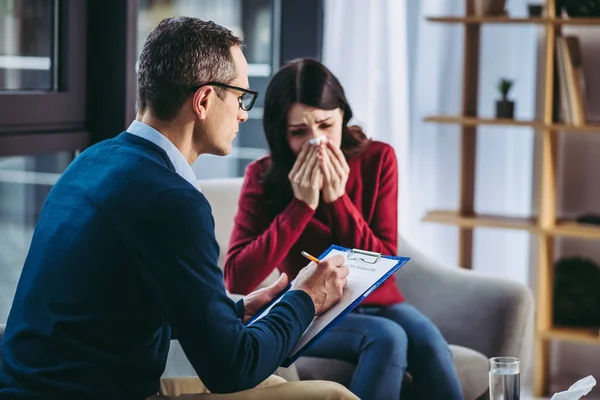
(491, 315)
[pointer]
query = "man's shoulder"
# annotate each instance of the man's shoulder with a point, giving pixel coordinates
(126, 157)
(123, 146)
(181, 202)
(122, 178)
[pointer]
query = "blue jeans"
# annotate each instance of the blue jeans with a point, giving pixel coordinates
(386, 342)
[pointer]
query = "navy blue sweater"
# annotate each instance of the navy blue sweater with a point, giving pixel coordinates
(124, 250)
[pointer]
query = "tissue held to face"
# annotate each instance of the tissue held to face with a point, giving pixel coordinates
(305, 123)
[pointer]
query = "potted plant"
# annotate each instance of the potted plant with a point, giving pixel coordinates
(504, 107)
(535, 9)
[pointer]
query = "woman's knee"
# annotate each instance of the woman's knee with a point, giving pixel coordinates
(388, 334)
(422, 332)
(429, 341)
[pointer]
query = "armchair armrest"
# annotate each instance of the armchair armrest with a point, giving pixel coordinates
(491, 315)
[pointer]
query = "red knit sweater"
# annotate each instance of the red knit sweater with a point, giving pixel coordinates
(366, 217)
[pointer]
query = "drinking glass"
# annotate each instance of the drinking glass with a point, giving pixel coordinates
(504, 378)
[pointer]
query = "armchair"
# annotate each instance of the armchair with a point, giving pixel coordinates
(480, 316)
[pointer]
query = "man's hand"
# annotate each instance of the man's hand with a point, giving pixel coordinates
(256, 300)
(324, 282)
(335, 173)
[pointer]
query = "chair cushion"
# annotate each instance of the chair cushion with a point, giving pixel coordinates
(471, 367)
(313, 368)
(179, 366)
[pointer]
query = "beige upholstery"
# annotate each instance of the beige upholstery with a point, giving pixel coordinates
(223, 196)
(480, 316)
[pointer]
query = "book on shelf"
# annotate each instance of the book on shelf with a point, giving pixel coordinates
(571, 80)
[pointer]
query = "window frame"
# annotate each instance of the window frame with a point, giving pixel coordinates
(29, 111)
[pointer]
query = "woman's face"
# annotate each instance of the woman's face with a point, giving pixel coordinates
(305, 123)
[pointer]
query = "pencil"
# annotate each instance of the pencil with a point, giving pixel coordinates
(311, 258)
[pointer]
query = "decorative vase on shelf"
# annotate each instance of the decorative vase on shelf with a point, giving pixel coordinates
(489, 7)
(505, 108)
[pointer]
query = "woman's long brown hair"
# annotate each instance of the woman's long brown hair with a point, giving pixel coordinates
(309, 82)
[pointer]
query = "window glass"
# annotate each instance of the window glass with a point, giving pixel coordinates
(249, 19)
(26, 37)
(253, 21)
(24, 184)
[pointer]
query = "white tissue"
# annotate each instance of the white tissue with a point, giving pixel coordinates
(577, 390)
(318, 140)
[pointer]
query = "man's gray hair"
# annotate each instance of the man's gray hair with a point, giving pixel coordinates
(180, 54)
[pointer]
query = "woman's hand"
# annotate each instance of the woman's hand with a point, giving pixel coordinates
(335, 173)
(306, 176)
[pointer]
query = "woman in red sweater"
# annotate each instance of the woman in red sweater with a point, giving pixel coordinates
(345, 191)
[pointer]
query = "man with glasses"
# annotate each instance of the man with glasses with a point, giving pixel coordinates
(246, 100)
(124, 251)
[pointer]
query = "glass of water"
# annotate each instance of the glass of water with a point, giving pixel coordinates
(505, 378)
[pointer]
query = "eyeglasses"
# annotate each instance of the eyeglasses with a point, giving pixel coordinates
(246, 100)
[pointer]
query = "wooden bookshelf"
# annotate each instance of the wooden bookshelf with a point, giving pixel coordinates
(539, 125)
(474, 20)
(546, 226)
(488, 20)
(591, 336)
(481, 220)
(563, 228)
(574, 229)
(475, 121)
(588, 128)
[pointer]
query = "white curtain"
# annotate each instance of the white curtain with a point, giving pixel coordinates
(365, 46)
(397, 68)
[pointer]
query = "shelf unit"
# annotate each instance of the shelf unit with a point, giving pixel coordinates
(551, 20)
(546, 226)
(538, 125)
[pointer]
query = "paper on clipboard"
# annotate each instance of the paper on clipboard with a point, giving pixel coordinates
(367, 271)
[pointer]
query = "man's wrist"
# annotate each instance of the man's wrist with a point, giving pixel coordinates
(302, 301)
(311, 295)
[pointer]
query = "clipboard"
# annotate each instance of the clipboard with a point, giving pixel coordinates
(361, 263)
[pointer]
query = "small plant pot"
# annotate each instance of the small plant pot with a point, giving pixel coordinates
(535, 10)
(505, 109)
